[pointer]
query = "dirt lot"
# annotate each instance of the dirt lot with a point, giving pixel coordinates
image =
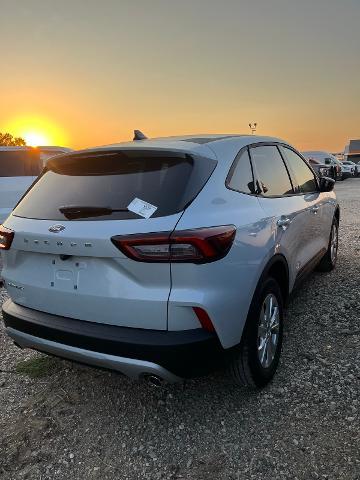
(62, 421)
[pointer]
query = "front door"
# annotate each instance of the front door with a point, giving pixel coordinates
(315, 202)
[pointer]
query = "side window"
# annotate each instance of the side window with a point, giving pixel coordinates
(271, 171)
(303, 175)
(241, 176)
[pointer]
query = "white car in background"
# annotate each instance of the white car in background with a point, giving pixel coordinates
(354, 165)
(347, 169)
(19, 167)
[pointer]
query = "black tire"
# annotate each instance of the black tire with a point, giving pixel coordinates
(328, 261)
(245, 366)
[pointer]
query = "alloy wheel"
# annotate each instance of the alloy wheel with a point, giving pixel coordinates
(334, 244)
(268, 330)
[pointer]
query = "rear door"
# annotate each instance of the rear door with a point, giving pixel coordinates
(63, 261)
(287, 212)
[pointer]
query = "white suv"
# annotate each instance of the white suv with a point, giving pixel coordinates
(163, 259)
(19, 167)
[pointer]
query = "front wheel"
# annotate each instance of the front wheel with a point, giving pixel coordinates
(328, 261)
(255, 361)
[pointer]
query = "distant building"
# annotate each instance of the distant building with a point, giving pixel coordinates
(353, 151)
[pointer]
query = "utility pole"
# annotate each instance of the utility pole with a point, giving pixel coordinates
(253, 128)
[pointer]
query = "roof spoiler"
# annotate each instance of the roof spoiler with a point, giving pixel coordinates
(138, 135)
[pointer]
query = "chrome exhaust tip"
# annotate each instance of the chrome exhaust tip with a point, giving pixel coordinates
(153, 380)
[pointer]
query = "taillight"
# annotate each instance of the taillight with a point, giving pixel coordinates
(200, 245)
(6, 238)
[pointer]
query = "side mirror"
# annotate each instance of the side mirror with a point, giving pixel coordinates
(326, 184)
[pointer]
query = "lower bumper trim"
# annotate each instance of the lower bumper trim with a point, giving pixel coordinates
(130, 367)
(186, 354)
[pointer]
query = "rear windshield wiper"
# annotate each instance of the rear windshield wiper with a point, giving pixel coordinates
(72, 212)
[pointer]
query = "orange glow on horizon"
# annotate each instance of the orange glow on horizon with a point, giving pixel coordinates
(36, 131)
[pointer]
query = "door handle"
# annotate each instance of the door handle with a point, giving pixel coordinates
(314, 209)
(283, 222)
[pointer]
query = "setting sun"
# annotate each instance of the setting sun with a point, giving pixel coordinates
(37, 131)
(34, 139)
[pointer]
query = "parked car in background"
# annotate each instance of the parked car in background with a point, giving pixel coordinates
(348, 170)
(327, 159)
(320, 168)
(47, 152)
(354, 166)
(164, 259)
(19, 167)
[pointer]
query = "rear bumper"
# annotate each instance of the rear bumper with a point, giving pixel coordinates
(171, 355)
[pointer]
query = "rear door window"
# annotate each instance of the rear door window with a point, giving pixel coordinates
(303, 176)
(241, 176)
(100, 186)
(272, 175)
(19, 163)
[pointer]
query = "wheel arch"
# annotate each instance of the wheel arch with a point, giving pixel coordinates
(277, 268)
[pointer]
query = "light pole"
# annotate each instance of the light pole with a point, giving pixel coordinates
(253, 128)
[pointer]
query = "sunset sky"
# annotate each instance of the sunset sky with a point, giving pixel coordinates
(81, 73)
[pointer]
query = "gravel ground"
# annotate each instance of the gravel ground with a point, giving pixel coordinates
(80, 423)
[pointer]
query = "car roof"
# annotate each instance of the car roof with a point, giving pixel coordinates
(217, 146)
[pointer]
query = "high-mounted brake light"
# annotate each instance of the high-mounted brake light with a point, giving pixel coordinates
(201, 245)
(6, 238)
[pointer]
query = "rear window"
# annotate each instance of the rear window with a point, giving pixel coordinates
(20, 163)
(271, 170)
(101, 186)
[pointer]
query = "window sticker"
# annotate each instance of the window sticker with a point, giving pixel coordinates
(142, 208)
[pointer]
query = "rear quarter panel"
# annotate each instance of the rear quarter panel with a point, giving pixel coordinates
(224, 288)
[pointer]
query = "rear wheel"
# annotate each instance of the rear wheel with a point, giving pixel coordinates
(328, 261)
(255, 361)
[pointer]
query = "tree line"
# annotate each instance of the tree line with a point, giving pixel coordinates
(7, 140)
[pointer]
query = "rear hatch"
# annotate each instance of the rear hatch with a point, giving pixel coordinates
(62, 259)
